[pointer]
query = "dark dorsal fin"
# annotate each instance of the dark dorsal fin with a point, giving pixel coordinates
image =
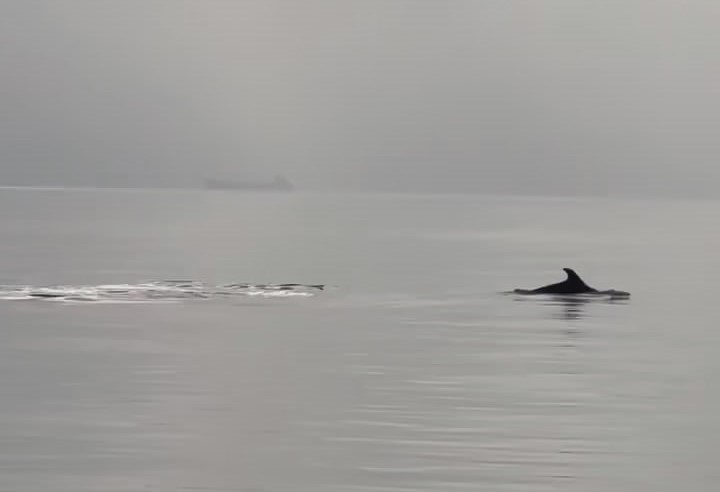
(573, 279)
(571, 275)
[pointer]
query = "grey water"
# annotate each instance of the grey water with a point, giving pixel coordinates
(141, 368)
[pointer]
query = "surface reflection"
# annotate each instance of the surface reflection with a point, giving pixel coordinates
(570, 307)
(573, 308)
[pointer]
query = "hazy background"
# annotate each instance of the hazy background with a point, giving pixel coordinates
(565, 96)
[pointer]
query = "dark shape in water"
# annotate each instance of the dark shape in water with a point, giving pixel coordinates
(47, 295)
(291, 286)
(573, 284)
(277, 286)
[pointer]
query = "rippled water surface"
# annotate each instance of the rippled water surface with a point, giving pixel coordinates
(198, 341)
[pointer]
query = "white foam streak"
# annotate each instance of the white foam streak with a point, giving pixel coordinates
(152, 292)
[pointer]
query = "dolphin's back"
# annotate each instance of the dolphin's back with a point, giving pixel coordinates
(572, 285)
(566, 287)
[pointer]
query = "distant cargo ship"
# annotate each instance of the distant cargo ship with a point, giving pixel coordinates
(280, 183)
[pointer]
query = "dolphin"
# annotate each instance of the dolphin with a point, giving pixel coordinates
(573, 284)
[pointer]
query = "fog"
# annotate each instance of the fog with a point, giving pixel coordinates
(503, 96)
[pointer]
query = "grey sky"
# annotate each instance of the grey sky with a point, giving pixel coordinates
(533, 96)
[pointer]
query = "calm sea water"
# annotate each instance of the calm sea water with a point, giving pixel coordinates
(409, 372)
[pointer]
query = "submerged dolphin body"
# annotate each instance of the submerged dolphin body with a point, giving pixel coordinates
(573, 284)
